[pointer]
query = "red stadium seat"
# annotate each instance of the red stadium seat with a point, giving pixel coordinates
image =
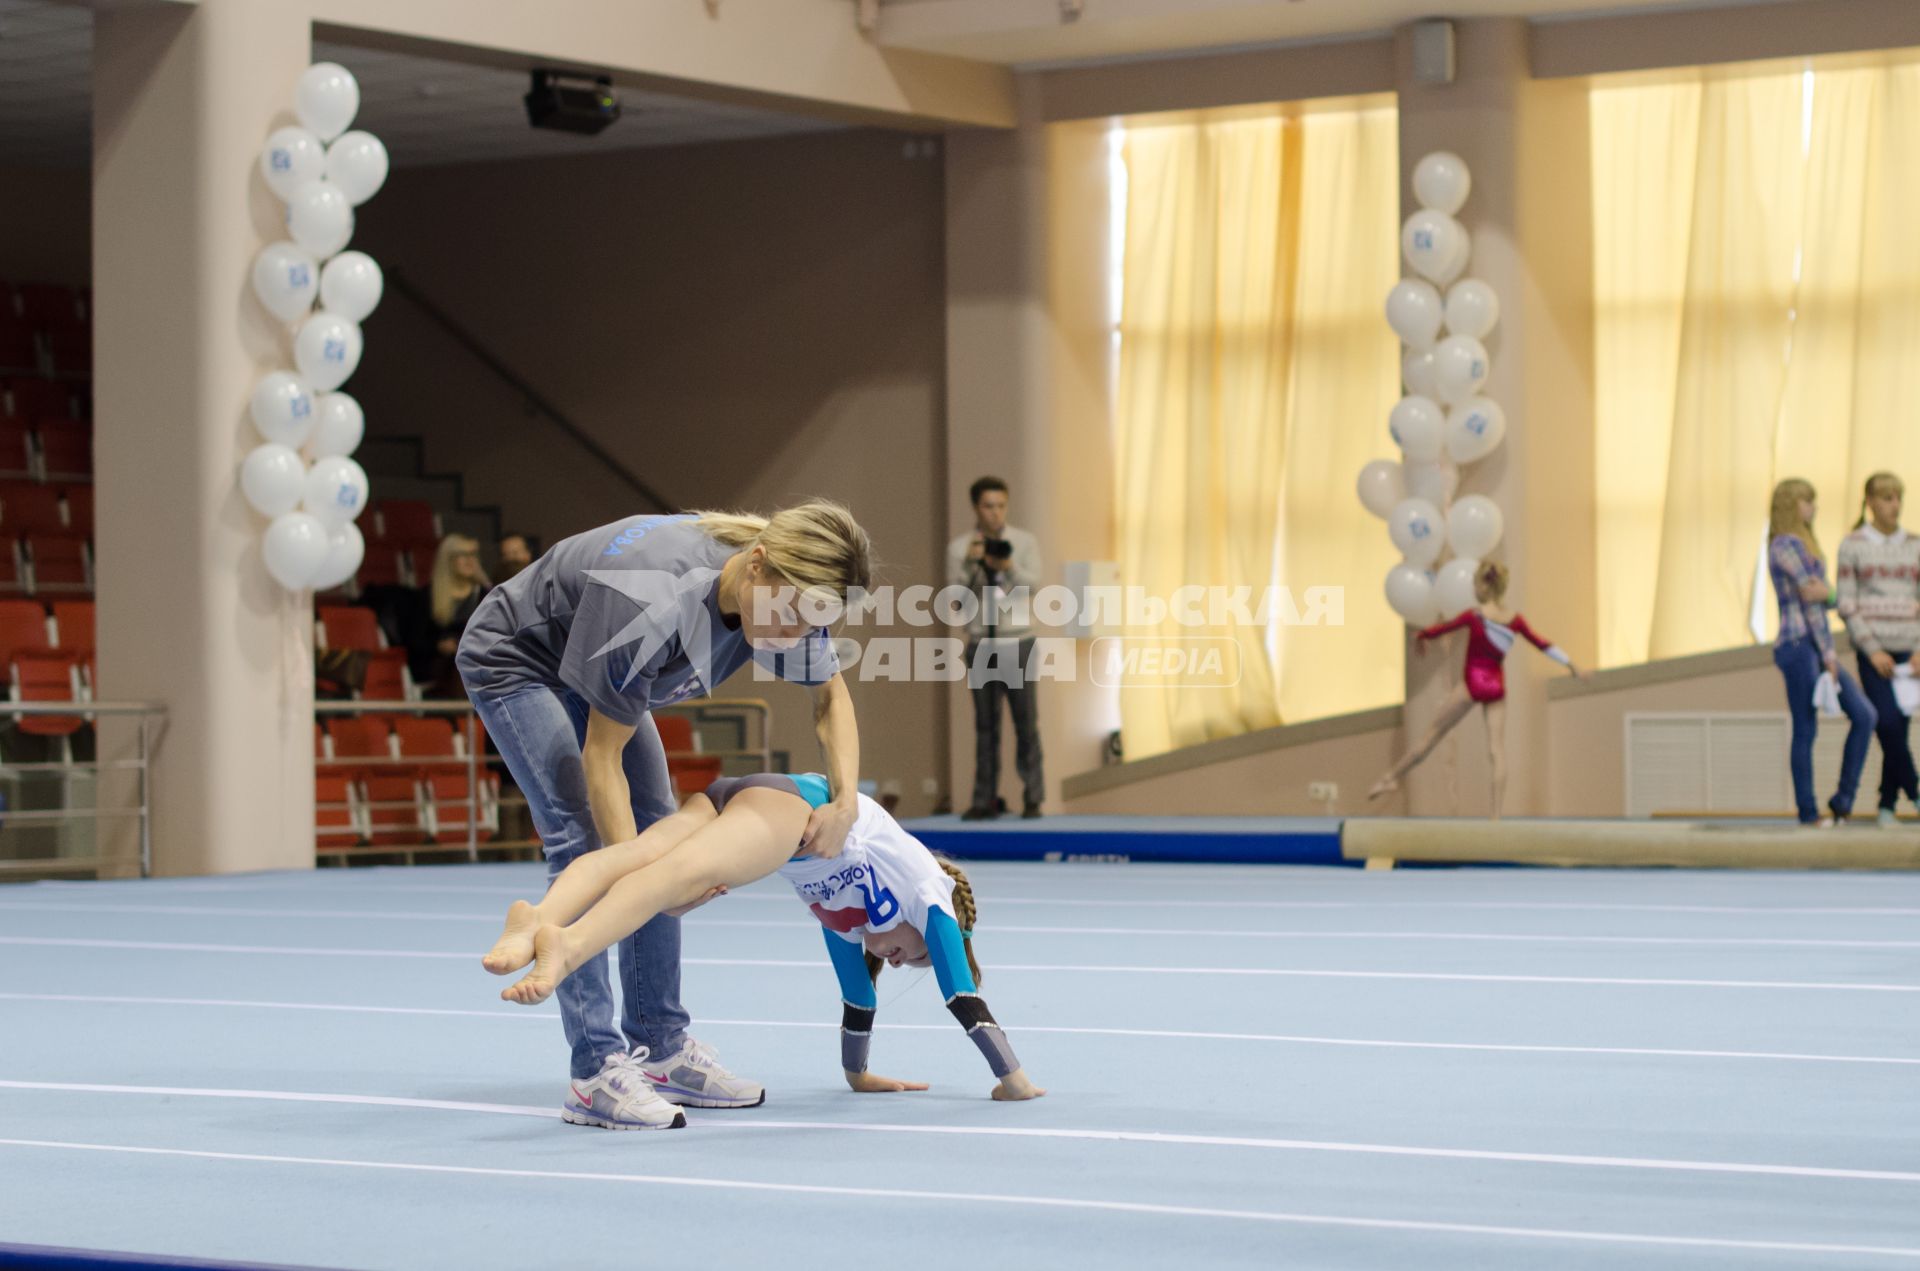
(71, 353)
(60, 562)
(66, 454)
(16, 453)
(676, 734)
(424, 738)
(416, 565)
(335, 811)
(387, 679)
(13, 566)
(359, 737)
(30, 509)
(379, 568)
(18, 350)
(405, 521)
(79, 500)
(34, 398)
(691, 776)
(47, 677)
(446, 806)
(392, 809)
(73, 621)
(350, 627)
(50, 306)
(23, 629)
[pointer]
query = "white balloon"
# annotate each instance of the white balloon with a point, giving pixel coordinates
(1453, 591)
(336, 490)
(1434, 482)
(282, 409)
(319, 218)
(1410, 594)
(295, 547)
(1442, 182)
(1381, 486)
(1460, 368)
(1456, 264)
(273, 479)
(1414, 312)
(1472, 309)
(338, 426)
(286, 279)
(327, 99)
(351, 286)
(1475, 428)
(1417, 530)
(293, 157)
(327, 350)
(345, 550)
(357, 163)
(1415, 426)
(1417, 370)
(1474, 526)
(1429, 241)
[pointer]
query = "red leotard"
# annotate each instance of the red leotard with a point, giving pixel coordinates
(1487, 645)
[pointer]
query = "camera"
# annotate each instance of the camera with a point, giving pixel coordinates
(996, 547)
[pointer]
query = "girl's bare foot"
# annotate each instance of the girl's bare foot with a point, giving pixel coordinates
(515, 947)
(1382, 788)
(550, 966)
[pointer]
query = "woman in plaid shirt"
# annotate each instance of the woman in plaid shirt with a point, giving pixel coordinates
(1805, 648)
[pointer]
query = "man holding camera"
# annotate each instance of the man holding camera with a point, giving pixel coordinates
(1001, 565)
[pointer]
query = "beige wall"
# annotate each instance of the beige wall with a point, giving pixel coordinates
(742, 324)
(44, 225)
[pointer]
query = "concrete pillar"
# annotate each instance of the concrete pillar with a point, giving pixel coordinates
(1526, 142)
(183, 98)
(1028, 384)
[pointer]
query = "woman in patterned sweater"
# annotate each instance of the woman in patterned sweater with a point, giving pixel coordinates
(1879, 592)
(1805, 648)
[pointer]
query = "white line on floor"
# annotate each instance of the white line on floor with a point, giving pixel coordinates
(1163, 1033)
(977, 1198)
(709, 920)
(757, 1124)
(72, 942)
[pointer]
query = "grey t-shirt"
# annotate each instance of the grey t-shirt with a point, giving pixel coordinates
(628, 617)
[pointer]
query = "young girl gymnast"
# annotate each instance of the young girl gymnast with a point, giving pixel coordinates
(1492, 632)
(886, 900)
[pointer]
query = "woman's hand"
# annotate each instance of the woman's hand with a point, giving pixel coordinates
(1883, 663)
(1832, 662)
(448, 646)
(873, 1083)
(1016, 1086)
(1814, 590)
(687, 909)
(827, 829)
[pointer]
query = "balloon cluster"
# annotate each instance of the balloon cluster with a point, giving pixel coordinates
(1443, 422)
(322, 172)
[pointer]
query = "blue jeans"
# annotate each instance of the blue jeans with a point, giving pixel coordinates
(540, 732)
(1799, 663)
(1897, 776)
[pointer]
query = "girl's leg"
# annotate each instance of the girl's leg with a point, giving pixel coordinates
(587, 879)
(1891, 729)
(1458, 703)
(755, 836)
(1861, 719)
(1800, 668)
(1497, 752)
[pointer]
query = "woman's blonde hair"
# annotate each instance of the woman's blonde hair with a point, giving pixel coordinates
(1784, 516)
(965, 912)
(817, 545)
(1495, 576)
(1866, 494)
(449, 589)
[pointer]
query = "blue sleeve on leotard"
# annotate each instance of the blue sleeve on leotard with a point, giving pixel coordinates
(850, 964)
(949, 953)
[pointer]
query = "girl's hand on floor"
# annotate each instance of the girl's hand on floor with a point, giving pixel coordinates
(873, 1083)
(1016, 1086)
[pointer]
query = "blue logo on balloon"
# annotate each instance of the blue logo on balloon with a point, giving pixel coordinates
(299, 276)
(347, 496)
(1419, 529)
(1423, 240)
(301, 407)
(1477, 424)
(335, 351)
(281, 161)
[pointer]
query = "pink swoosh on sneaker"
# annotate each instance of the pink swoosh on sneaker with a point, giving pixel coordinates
(585, 1099)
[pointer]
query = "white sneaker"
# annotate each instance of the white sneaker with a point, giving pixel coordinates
(1887, 820)
(620, 1098)
(694, 1077)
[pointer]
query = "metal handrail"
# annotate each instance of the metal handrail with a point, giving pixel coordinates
(146, 713)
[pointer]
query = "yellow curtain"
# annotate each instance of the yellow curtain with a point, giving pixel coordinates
(1254, 370)
(1756, 292)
